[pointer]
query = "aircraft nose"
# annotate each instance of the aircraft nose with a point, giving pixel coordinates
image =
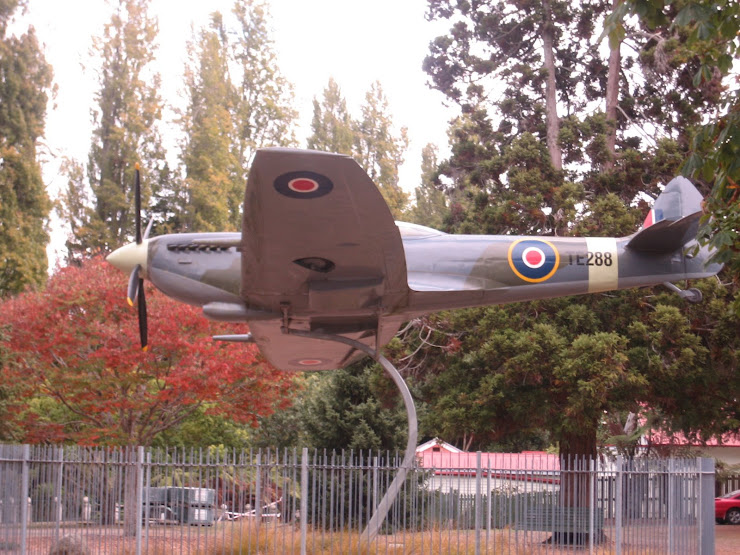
(128, 256)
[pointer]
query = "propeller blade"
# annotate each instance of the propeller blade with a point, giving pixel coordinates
(134, 284)
(137, 203)
(142, 317)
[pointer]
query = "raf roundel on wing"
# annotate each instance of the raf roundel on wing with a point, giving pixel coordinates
(533, 260)
(303, 185)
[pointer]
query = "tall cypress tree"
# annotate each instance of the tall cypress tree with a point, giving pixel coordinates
(264, 114)
(25, 82)
(99, 205)
(213, 180)
(331, 126)
(379, 151)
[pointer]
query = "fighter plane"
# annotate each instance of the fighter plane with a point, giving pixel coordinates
(320, 252)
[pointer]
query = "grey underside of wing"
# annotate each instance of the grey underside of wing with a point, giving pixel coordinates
(289, 352)
(321, 252)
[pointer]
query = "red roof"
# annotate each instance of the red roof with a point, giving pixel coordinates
(657, 437)
(500, 464)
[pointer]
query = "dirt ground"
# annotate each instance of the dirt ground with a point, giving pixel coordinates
(726, 540)
(173, 540)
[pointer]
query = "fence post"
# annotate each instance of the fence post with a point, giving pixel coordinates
(304, 499)
(139, 496)
(58, 493)
(24, 497)
(593, 484)
(258, 491)
(672, 483)
(618, 507)
(706, 505)
(477, 500)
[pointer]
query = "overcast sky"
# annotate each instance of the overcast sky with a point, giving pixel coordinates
(354, 41)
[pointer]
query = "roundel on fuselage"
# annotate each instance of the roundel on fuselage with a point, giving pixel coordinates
(533, 260)
(303, 184)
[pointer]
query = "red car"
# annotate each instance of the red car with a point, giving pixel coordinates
(727, 508)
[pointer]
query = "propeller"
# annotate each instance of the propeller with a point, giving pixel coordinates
(136, 280)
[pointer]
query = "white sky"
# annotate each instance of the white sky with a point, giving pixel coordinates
(354, 41)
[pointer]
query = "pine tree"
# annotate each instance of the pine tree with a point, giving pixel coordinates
(25, 84)
(125, 132)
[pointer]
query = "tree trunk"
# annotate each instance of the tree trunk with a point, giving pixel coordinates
(612, 99)
(551, 99)
(576, 450)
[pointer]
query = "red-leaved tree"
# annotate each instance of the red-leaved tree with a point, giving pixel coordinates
(77, 342)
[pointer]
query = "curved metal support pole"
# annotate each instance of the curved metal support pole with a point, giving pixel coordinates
(373, 526)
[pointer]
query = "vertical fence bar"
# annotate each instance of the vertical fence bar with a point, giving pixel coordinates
(304, 499)
(58, 493)
(476, 513)
(672, 483)
(706, 506)
(139, 496)
(592, 505)
(24, 496)
(618, 505)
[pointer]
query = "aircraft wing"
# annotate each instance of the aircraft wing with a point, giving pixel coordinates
(320, 252)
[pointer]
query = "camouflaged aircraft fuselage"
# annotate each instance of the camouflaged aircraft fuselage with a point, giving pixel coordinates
(319, 251)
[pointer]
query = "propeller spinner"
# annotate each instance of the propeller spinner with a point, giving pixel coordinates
(132, 258)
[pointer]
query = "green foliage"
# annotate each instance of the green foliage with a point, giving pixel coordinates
(205, 428)
(213, 178)
(371, 140)
(332, 125)
(98, 203)
(708, 31)
(25, 85)
(264, 113)
(237, 102)
(354, 408)
(562, 365)
(430, 208)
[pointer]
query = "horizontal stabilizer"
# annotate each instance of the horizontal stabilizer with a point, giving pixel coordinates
(672, 221)
(666, 236)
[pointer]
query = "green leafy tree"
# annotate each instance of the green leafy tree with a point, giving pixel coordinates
(213, 177)
(379, 151)
(264, 115)
(25, 84)
(371, 140)
(708, 31)
(238, 101)
(430, 208)
(354, 408)
(332, 126)
(98, 203)
(561, 365)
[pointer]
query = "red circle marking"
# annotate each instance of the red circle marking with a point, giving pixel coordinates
(533, 257)
(303, 185)
(310, 362)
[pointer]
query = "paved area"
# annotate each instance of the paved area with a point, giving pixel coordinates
(726, 539)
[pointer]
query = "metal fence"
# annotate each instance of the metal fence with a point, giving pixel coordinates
(103, 500)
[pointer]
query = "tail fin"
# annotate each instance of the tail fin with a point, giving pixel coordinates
(673, 220)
